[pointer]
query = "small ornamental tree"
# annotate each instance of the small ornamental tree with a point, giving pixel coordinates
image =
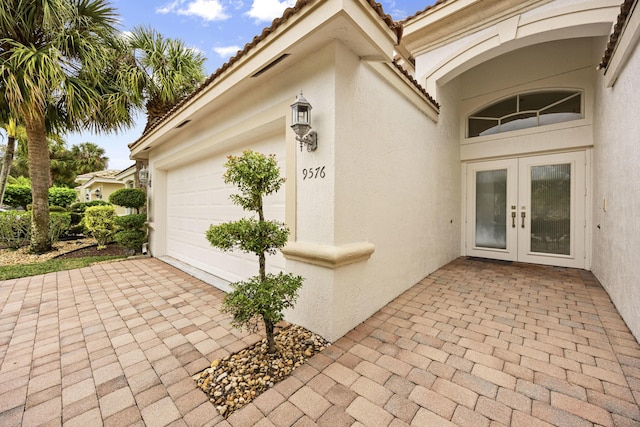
(99, 222)
(264, 296)
(130, 229)
(129, 198)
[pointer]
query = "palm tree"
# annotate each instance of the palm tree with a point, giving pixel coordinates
(59, 60)
(166, 70)
(89, 157)
(12, 129)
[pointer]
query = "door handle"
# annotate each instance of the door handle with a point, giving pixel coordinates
(513, 220)
(523, 215)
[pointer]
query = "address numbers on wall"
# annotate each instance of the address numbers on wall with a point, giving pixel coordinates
(313, 173)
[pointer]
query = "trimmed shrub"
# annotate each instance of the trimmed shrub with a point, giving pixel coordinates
(59, 223)
(99, 223)
(80, 207)
(130, 231)
(15, 229)
(129, 198)
(62, 196)
(18, 196)
(129, 222)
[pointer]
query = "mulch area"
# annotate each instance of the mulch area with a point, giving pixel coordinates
(112, 249)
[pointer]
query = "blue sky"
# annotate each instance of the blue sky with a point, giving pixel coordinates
(218, 28)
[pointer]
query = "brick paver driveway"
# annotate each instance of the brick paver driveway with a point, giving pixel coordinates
(476, 343)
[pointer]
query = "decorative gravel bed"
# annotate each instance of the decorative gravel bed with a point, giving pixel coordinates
(237, 379)
(22, 255)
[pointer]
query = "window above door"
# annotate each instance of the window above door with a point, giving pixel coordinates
(526, 110)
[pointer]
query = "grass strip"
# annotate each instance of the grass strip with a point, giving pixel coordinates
(24, 270)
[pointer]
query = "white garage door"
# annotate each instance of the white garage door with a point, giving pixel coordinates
(198, 197)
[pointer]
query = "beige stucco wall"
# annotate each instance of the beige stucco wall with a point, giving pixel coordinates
(106, 189)
(616, 184)
(392, 181)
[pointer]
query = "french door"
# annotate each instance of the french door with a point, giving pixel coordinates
(528, 209)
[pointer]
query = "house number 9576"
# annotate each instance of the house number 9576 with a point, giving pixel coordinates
(313, 173)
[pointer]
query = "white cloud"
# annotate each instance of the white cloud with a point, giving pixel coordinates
(226, 51)
(209, 10)
(267, 10)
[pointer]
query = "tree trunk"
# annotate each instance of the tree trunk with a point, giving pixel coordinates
(271, 341)
(39, 175)
(261, 257)
(6, 164)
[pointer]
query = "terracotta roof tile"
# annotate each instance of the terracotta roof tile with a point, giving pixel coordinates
(625, 11)
(415, 83)
(111, 173)
(288, 13)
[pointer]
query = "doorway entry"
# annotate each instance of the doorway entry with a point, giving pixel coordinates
(528, 209)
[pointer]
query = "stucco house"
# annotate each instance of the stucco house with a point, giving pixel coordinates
(99, 185)
(499, 129)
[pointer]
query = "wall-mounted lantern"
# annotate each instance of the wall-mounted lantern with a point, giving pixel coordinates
(98, 193)
(301, 123)
(144, 177)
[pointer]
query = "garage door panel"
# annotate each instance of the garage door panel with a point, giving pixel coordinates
(198, 197)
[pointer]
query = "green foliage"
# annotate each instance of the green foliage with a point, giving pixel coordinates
(255, 175)
(130, 222)
(267, 299)
(59, 223)
(62, 196)
(99, 222)
(249, 235)
(21, 180)
(131, 239)
(17, 196)
(129, 198)
(15, 229)
(130, 231)
(264, 296)
(80, 207)
(25, 270)
(77, 215)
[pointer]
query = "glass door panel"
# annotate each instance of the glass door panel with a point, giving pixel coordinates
(551, 195)
(551, 209)
(492, 190)
(529, 209)
(491, 209)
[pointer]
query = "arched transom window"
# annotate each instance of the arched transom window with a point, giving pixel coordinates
(526, 110)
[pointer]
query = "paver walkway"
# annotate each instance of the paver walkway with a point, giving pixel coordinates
(475, 343)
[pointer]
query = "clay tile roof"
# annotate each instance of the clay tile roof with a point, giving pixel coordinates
(108, 174)
(625, 11)
(415, 83)
(415, 15)
(288, 13)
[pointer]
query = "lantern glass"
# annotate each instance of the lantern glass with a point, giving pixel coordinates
(143, 176)
(301, 111)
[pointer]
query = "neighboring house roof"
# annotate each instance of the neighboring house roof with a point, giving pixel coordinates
(288, 13)
(131, 170)
(625, 12)
(96, 180)
(99, 174)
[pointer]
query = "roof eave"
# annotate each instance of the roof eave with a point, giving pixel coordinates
(257, 55)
